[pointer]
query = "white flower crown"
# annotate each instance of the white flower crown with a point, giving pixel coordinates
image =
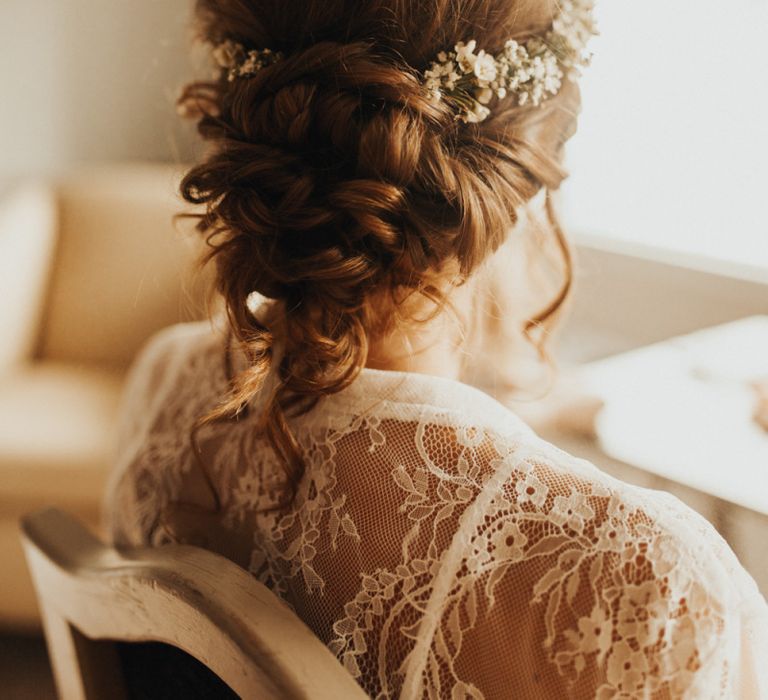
(531, 71)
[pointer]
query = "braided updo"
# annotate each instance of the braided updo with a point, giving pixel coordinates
(336, 187)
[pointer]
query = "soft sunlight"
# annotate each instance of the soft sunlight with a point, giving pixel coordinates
(672, 146)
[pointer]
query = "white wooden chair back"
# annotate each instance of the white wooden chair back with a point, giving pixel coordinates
(92, 596)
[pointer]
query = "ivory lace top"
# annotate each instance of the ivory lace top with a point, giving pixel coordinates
(437, 545)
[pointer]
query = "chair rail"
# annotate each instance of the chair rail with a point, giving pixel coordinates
(187, 597)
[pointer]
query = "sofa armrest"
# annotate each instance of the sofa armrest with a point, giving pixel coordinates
(28, 218)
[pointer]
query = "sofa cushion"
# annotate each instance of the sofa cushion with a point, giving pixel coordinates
(56, 430)
(122, 268)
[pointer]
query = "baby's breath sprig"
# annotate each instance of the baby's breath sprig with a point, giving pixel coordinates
(240, 63)
(531, 71)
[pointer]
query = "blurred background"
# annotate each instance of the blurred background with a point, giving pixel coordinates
(664, 353)
(89, 82)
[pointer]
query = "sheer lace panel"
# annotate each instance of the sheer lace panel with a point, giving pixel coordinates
(437, 545)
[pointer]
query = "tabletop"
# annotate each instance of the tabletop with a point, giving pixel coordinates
(684, 409)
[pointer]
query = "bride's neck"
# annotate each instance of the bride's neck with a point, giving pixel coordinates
(436, 354)
(432, 347)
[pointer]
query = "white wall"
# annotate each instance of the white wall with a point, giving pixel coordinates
(627, 296)
(673, 136)
(91, 81)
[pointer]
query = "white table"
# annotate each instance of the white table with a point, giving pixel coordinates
(682, 409)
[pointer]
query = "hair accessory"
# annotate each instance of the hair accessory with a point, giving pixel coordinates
(531, 71)
(240, 63)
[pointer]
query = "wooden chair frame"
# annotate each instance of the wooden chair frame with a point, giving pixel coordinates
(92, 595)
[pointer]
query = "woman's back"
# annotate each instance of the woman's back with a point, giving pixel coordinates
(435, 543)
(370, 173)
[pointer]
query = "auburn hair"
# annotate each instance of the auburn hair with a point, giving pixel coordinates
(333, 181)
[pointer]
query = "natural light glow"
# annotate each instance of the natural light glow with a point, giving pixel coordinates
(672, 148)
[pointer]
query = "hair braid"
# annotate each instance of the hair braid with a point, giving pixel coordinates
(335, 184)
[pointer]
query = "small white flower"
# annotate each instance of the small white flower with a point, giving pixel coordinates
(627, 669)
(247, 492)
(532, 490)
(610, 538)
(465, 55)
(485, 67)
(594, 632)
(484, 95)
(508, 542)
(239, 63)
(530, 71)
(571, 511)
(538, 69)
(469, 47)
(476, 113)
(643, 613)
(227, 54)
(250, 65)
(482, 112)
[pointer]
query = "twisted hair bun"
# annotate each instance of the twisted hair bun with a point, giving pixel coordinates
(333, 179)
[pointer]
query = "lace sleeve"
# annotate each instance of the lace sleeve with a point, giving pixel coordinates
(171, 383)
(144, 389)
(562, 584)
(613, 597)
(437, 557)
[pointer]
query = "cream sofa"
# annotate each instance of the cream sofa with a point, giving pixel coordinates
(90, 267)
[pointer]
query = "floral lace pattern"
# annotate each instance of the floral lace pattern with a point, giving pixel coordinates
(439, 547)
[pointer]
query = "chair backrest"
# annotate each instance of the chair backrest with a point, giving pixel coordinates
(92, 596)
